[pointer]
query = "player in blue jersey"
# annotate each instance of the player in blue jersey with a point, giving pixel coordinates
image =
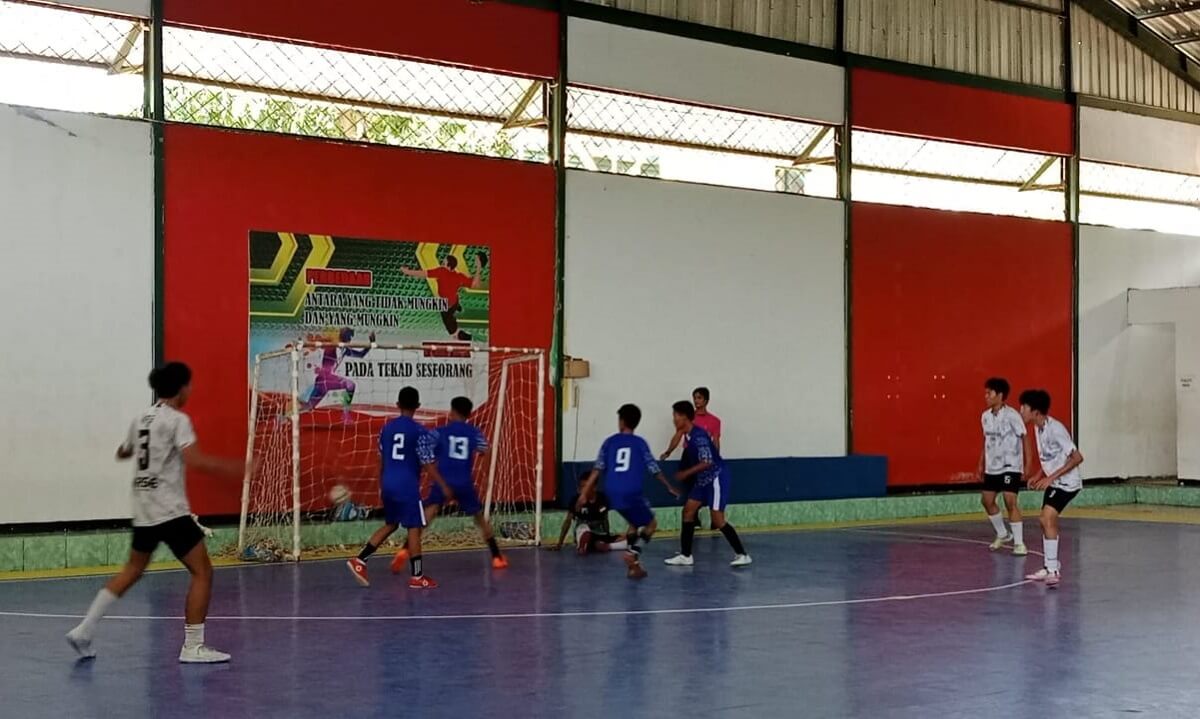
(457, 445)
(625, 459)
(405, 449)
(710, 489)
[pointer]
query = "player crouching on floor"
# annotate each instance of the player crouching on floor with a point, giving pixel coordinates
(624, 460)
(1059, 476)
(588, 509)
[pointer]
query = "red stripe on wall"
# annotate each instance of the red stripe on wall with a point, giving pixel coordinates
(940, 111)
(221, 184)
(941, 301)
(489, 35)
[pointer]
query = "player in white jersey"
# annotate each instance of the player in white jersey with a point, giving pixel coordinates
(162, 442)
(1059, 476)
(1002, 464)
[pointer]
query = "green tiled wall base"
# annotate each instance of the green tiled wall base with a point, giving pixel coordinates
(93, 549)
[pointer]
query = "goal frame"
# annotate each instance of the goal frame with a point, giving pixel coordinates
(295, 352)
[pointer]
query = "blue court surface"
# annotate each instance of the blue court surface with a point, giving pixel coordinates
(902, 621)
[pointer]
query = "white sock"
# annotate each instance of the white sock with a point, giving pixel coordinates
(997, 521)
(618, 545)
(1018, 532)
(193, 635)
(1051, 548)
(100, 606)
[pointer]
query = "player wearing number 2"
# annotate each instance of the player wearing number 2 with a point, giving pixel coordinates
(458, 443)
(625, 459)
(164, 443)
(405, 448)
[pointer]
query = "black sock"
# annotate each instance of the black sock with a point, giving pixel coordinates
(734, 540)
(493, 547)
(417, 570)
(645, 535)
(686, 536)
(367, 551)
(633, 548)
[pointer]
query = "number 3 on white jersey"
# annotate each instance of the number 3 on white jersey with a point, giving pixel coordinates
(623, 455)
(398, 447)
(460, 448)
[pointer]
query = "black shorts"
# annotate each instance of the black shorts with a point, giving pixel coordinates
(1058, 498)
(449, 320)
(181, 534)
(1006, 482)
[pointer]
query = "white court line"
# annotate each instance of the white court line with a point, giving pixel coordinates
(551, 615)
(962, 540)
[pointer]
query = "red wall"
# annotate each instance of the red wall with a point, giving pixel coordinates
(222, 184)
(489, 35)
(940, 302)
(923, 108)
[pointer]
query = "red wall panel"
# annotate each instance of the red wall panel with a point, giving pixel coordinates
(924, 108)
(490, 35)
(940, 302)
(221, 184)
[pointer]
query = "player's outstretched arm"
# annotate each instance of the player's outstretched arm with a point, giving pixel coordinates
(125, 451)
(588, 485)
(675, 440)
(566, 527)
(414, 273)
(197, 460)
(667, 483)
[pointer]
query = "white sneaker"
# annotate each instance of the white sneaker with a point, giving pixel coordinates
(202, 655)
(999, 542)
(1050, 577)
(741, 560)
(81, 644)
(1020, 550)
(679, 560)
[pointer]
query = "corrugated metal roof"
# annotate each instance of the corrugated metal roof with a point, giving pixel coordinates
(1176, 21)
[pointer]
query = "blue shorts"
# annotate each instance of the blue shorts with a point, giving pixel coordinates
(714, 495)
(465, 495)
(407, 512)
(635, 510)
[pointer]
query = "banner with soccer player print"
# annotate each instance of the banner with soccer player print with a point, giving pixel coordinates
(328, 289)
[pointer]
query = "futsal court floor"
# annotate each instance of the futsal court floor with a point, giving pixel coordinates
(909, 620)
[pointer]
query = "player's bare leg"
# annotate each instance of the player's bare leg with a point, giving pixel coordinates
(1015, 518)
(358, 565)
(80, 638)
(196, 612)
(687, 535)
(418, 580)
(633, 552)
(988, 499)
(740, 557)
(402, 555)
(485, 529)
(1049, 573)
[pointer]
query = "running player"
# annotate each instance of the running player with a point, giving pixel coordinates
(1001, 464)
(705, 420)
(625, 459)
(164, 443)
(449, 282)
(457, 445)
(589, 510)
(1059, 476)
(703, 461)
(327, 378)
(405, 448)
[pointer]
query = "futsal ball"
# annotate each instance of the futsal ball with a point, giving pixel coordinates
(339, 494)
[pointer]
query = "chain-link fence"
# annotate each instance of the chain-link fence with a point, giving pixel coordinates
(249, 83)
(71, 60)
(629, 134)
(952, 176)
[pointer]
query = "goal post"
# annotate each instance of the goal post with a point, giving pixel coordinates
(316, 412)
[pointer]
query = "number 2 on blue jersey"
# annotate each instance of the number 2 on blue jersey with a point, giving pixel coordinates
(398, 447)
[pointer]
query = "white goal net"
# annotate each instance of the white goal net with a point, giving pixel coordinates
(317, 410)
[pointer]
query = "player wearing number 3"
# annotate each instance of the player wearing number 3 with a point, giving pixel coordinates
(405, 448)
(457, 445)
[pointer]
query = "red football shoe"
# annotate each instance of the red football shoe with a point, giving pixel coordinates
(636, 570)
(499, 562)
(399, 560)
(581, 544)
(359, 569)
(422, 582)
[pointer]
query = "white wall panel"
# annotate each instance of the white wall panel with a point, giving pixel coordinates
(76, 195)
(1128, 139)
(1127, 409)
(678, 68)
(671, 285)
(136, 8)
